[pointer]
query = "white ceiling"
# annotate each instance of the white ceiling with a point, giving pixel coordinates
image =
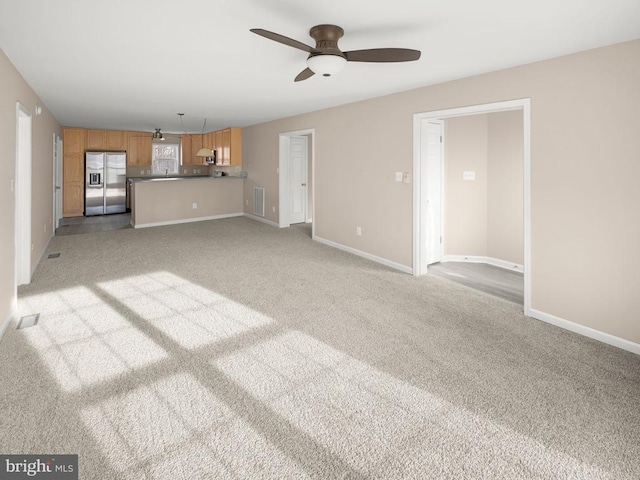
(134, 64)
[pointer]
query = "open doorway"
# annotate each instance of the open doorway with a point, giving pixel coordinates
(296, 179)
(23, 196)
(429, 188)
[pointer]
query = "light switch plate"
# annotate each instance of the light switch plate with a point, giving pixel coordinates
(468, 175)
(398, 176)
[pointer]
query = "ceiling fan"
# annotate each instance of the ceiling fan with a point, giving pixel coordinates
(326, 58)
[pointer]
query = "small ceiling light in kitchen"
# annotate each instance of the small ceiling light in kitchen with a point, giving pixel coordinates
(157, 135)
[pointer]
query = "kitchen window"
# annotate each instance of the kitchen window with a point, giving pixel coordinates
(165, 156)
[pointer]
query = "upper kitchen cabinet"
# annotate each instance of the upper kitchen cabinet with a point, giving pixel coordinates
(74, 144)
(116, 140)
(96, 140)
(139, 151)
(191, 143)
(230, 147)
(218, 146)
(196, 144)
(185, 148)
(208, 140)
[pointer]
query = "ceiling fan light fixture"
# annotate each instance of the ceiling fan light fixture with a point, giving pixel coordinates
(157, 135)
(326, 65)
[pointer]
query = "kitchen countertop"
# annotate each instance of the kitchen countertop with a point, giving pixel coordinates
(163, 178)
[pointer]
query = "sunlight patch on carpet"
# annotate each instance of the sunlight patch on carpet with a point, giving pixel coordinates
(83, 341)
(176, 428)
(381, 425)
(189, 314)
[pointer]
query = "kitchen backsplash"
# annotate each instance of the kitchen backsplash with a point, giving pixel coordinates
(146, 171)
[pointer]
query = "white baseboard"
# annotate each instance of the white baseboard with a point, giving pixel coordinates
(489, 260)
(186, 220)
(261, 219)
(44, 250)
(7, 321)
(587, 331)
(368, 256)
(5, 325)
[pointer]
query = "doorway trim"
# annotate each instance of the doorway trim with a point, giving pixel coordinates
(57, 181)
(419, 246)
(22, 222)
(283, 177)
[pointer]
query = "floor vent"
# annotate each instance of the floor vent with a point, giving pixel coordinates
(53, 255)
(258, 201)
(28, 321)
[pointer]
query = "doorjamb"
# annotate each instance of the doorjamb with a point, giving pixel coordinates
(283, 176)
(57, 181)
(22, 222)
(523, 104)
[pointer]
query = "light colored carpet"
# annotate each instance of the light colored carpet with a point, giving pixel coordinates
(231, 349)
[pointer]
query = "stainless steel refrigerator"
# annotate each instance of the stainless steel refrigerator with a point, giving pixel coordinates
(105, 183)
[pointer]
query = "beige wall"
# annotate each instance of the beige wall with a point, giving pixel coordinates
(505, 191)
(585, 150)
(484, 217)
(465, 201)
(13, 88)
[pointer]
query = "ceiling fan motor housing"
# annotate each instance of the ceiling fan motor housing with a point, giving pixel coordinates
(326, 37)
(333, 59)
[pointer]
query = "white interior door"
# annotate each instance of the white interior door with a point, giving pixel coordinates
(297, 179)
(432, 198)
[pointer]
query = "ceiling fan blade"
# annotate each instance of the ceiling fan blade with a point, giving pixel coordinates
(276, 37)
(304, 74)
(383, 55)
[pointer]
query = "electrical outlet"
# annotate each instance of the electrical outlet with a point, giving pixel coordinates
(469, 175)
(359, 231)
(194, 206)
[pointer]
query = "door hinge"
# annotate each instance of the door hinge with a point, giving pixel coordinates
(440, 138)
(440, 238)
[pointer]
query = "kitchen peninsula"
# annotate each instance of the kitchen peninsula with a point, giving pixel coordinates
(168, 200)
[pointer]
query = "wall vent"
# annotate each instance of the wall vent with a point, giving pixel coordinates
(258, 201)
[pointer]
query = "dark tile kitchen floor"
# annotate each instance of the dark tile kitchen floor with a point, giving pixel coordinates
(96, 223)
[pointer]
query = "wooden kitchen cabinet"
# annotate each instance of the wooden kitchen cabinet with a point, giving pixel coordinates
(74, 144)
(191, 143)
(96, 140)
(230, 147)
(185, 149)
(113, 140)
(208, 140)
(196, 144)
(139, 149)
(218, 146)
(116, 140)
